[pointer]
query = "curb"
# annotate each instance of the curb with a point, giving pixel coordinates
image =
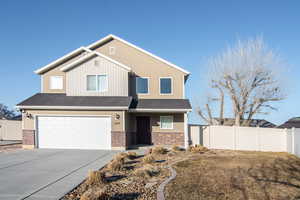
(161, 187)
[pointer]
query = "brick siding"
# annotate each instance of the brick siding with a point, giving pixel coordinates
(28, 137)
(161, 138)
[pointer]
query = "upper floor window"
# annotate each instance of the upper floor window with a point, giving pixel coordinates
(56, 82)
(142, 85)
(165, 85)
(97, 83)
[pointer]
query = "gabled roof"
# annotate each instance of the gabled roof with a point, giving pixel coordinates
(111, 36)
(89, 55)
(62, 101)
(291, 123)
(98, 43)
(58, 61)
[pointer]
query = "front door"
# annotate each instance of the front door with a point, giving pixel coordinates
(143, 130)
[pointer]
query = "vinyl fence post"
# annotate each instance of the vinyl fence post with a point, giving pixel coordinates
(293, 140)
(234, 136)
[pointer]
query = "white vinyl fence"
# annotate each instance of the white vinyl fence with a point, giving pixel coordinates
(247, 138)
(10, 130)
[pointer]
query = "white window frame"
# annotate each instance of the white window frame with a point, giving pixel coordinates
(58, 88)
(172, 124)
(136, 83)
(171, 85)
(97, 89)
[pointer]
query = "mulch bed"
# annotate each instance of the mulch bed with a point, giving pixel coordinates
(126, 185)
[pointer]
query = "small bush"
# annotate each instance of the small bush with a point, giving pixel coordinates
(148, 159)
(132, 155)
(197, 149)
(121, 157)
(115, 165)
(96, 178)
(146, 171)
(176, 148)
(159, 150)
(96, 193)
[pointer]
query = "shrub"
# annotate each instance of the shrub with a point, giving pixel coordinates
(131, 155)
(96, 178)
(120, 157)
(96, 193)
(159, 150)
(197, 149)
(148, 159)
(176, 148)
(115, 165)
(146, 171)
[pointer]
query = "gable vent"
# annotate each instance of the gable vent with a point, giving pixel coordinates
(112, 50)
(96, 63)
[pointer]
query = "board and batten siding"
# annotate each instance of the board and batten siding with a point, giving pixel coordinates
(117, 78)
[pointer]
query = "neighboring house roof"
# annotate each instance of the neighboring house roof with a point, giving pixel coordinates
(160, 105)
(98, 43)
(253, 123)
(17, 118)
(293, 122)
(61, 101)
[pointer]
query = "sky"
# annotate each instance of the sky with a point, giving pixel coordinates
(186, 33)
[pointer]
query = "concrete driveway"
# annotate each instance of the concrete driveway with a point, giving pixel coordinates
(45, 174)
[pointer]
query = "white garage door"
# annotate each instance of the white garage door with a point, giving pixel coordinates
(74, 132)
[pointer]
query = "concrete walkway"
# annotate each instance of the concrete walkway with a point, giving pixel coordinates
(45, 174)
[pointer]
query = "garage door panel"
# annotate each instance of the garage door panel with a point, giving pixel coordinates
(74, 132)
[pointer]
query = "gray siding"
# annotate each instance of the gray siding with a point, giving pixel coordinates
(117, 78)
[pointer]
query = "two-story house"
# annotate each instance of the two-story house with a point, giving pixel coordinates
(108, 95)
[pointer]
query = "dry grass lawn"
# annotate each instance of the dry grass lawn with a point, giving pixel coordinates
(236, 175)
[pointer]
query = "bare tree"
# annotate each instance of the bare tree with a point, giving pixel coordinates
(206, 113)
(5, 112)
(246, 74)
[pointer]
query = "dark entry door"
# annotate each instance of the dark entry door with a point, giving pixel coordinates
(143, 130)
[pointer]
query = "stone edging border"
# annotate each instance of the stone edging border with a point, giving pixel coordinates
(161, 187)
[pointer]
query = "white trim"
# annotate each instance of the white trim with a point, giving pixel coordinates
(72, 107)
(97, 91)
(183, 88)
(186, 136)
(82, 59)
(160, 123)
(51, 79)
(159, 110)
(148, 78)
(171, 85)
(111, 36)
(54, 63)
(123, 121)
(109, 59)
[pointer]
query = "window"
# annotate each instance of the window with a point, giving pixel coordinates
(142, 85)
(112, 50)
(165, 85)
(56, 82)
(166, 122)
(97, 83)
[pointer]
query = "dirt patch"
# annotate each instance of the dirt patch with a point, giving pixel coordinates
(236, 175)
